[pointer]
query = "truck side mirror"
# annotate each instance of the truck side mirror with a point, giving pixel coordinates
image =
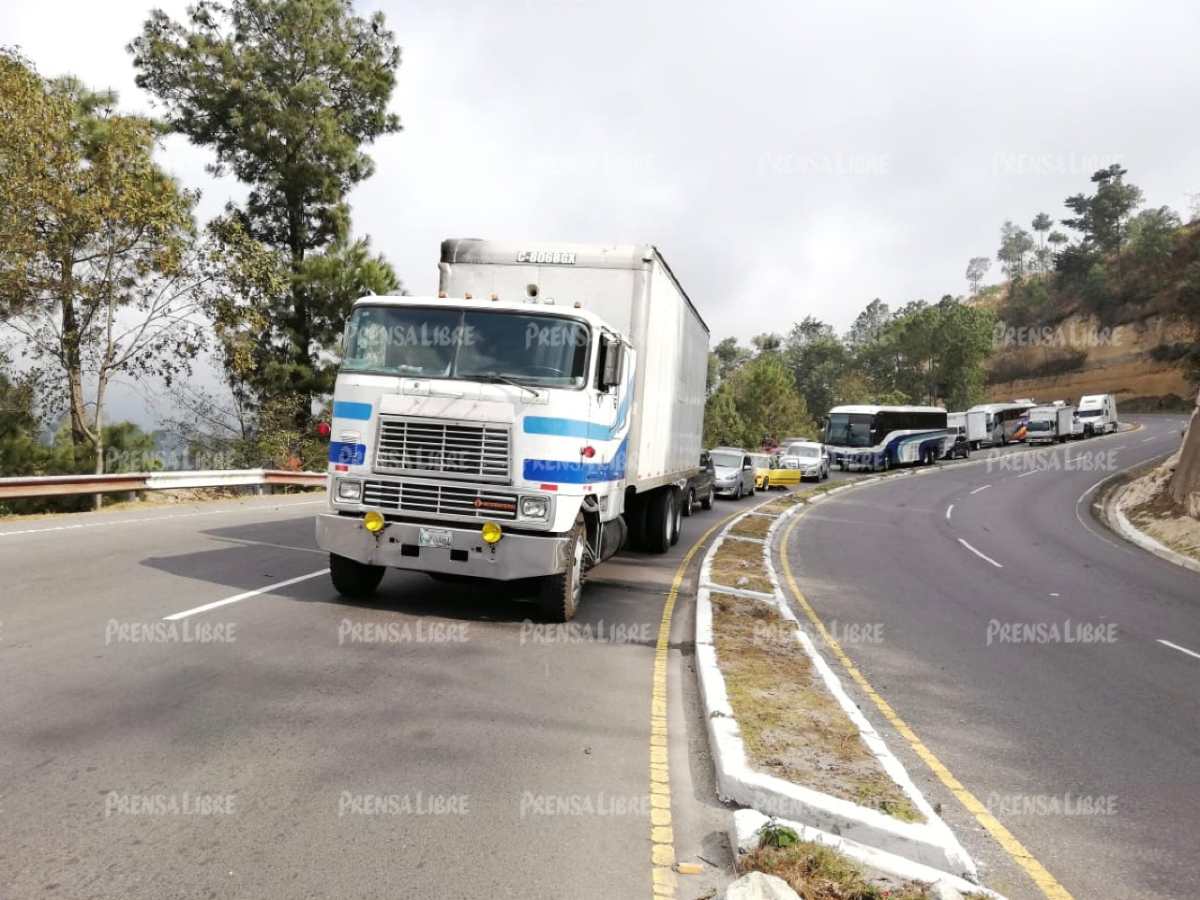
(612, 357)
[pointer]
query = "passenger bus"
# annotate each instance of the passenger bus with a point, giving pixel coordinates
(879, 437)
(1006, 422)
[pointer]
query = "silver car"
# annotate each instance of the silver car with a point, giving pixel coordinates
(809, 457)
(734, 472)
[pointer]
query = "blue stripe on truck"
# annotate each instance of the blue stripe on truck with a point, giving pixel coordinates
(555, 471)
(346, 409)
(347, 454)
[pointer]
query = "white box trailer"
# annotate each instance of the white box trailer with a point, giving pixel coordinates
(633, 290)
(544, 408)
(1050, 424)
(971, 426)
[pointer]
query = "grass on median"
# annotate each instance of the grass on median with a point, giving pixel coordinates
(791, 725)
(817, 872)
(753, 526)
(739, 564)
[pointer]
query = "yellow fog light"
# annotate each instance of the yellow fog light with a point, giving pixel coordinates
(490, 532)
(374, 522)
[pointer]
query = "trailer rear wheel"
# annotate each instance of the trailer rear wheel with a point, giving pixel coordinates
(559, 594)
(660, 521)
(352, 579)
(635, 522)
(689, 505)
(677, 527)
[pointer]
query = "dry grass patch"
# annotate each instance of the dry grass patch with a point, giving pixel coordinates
(1149, 506)
(753, 526)
(816, 872)
(740, 564)
(791, 725)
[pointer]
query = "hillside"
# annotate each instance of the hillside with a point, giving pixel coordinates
(1129, 327)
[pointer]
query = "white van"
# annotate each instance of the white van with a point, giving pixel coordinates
(1098, 414)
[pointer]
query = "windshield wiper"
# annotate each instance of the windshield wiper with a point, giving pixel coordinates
(497, 378)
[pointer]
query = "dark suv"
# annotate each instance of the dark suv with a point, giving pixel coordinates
(700, 486)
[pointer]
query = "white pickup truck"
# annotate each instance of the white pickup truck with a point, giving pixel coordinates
(544, 409)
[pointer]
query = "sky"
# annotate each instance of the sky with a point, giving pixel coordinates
(789, 159)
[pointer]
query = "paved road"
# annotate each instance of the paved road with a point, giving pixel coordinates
(431, 743)
(1089, 753)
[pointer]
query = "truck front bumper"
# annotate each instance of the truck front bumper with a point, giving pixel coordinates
(398, 546)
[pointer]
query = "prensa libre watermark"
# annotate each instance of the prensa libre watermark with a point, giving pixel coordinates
(1051, 805)
(1049, 461)
(185, 632)
(845, 633)
(420, 632)
(417, 803)
(586, 633)
(600, 804)
(1067, 632)
(1073, 335)
(182, 804)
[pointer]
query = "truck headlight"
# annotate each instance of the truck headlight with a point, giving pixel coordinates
(349, 489)
(535, 507)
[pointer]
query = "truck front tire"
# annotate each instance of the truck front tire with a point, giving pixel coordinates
(352, 579)
(559, 594)
(707, 502)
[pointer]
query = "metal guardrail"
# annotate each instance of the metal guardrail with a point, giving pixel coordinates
(53, 485)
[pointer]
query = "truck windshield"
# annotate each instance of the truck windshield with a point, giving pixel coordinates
(428, 342)
(1088, 413)
(1039, 425)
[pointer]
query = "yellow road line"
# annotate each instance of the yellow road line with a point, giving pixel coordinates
(1045, 882)
(662, 837)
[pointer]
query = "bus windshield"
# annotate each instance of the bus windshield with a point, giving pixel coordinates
(431, 342)
(849, 430)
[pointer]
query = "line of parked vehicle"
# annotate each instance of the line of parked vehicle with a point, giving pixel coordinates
(734, 472)
(880, 437)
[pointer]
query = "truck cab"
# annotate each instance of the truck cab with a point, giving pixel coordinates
(518, 434)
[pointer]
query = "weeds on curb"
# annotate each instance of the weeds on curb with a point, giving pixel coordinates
(739, 564)
(752, 526)
(791, 725)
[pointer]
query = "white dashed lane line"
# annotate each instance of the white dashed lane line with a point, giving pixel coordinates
(1180, 649)
(174, 617)
(982, 556)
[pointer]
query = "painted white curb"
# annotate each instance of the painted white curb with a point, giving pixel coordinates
(930, 843)
(744, 837)
(1135, 535)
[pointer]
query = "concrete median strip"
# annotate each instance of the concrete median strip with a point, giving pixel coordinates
(913, 835)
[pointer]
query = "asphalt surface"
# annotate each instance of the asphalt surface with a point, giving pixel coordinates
(1022, 642)
(431, 743)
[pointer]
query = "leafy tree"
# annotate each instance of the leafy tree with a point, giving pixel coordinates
(1015, 246)
(817, 359)
(869, 324)
(1042, 223)
(100, 284)
(1102, 217)
(1152, 234)
(767, 343)
(286, 92)
(729, 356)
(977, 268)
(722, 424)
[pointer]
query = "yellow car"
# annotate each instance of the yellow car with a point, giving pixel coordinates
(769, 474)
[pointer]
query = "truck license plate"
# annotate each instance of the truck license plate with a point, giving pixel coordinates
(434, 537)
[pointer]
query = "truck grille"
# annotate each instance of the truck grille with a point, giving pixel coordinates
(439, 500)
(459, 450)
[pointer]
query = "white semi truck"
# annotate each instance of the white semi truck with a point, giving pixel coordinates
(1098, 414)
(544, 409)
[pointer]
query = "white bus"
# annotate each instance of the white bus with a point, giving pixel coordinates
(879, 437)
(1006, 422)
